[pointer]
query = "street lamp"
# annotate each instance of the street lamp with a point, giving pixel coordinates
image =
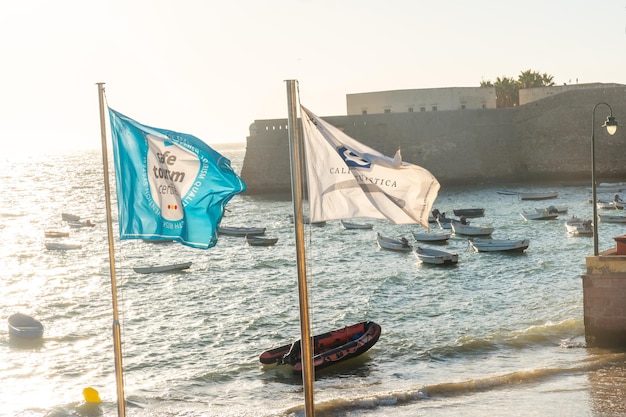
(611, 128)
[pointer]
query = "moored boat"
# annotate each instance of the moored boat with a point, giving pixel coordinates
(76, 224)
(351, 225)
(161, 268)
(499, 245)
(431, 237)
(608, 218)
(435, 257)
(70, 217)
(468, 230)
(470, 212)
(261, 241)
(240, 231)
(329, 348)
(579, 227)
(539, 196)
(539, 215)
(399, 245)
(62, 245)
(55, 233)
(25, 326)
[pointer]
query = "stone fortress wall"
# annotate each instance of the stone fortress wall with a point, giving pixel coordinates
(547, 139)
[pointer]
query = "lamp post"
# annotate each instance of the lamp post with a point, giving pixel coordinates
(611, 128)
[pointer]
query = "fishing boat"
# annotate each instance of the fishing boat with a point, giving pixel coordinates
(240, 231)
(261, 241)
(399, 245)
(435, 257)
(62, 245)
(431, 237)
(329, 348)
(499, 245)
(350, 225)
(467, 230)
(161, 268)
(25, 326)
(469, 212)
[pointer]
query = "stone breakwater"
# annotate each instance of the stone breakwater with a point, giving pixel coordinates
(545, 140)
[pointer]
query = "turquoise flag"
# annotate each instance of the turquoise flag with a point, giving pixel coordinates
(170, 185)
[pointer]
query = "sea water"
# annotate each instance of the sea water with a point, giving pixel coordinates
(497, 334)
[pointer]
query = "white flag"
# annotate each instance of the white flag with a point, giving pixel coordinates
(347, 179)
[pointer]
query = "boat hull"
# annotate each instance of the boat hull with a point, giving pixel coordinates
(329, 348)
(162, 268)
(436, 257)
(499, 245)
(25, 326)
(240, 231)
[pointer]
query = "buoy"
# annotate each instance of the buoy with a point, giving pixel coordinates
(91, 395)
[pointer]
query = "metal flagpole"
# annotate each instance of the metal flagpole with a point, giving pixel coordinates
(296, 195)
(117, 338)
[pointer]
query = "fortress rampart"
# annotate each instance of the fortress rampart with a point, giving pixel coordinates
(545, 140)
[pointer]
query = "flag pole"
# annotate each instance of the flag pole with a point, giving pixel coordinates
(117, 338)
(295, 147)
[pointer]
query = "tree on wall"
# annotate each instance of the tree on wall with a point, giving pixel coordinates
(507, 88)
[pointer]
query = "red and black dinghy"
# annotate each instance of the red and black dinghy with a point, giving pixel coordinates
(329, 348)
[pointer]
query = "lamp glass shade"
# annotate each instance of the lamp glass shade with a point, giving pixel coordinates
(611, 125)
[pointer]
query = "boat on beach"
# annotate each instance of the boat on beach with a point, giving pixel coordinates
(161, 268)
(329, 348)
(25, 326)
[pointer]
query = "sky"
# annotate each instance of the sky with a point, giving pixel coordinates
(210, 68)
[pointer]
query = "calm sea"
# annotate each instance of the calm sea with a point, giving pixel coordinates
(498, 334)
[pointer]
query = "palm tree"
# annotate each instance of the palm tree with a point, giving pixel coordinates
(507, 89)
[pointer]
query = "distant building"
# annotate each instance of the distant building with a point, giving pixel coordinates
(421, 100)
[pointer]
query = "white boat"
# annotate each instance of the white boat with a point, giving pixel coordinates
(468, 230)
(608, 218)
(25, 326)
(536, 215)
(161, 268)
(610, 187)
(240, 231)
(350, 225)
(261, 241)
(435, 257)
(499, 245)
(400, 245)
(62, 246)
(554, 209)
(609, 205)
(538, 196)
(431, 237)
(579, 227)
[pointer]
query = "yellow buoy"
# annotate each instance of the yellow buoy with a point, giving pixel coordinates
(91, 395)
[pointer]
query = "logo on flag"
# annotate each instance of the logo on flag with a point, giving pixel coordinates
(170, 185)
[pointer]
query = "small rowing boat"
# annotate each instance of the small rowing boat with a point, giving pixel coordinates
(161, 268)
(329, 348)
(23, 325)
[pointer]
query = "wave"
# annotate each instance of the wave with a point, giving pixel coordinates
(344, 406)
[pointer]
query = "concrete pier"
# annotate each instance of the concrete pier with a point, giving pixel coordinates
(604, 294)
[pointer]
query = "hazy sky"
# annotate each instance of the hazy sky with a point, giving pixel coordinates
(211, 68)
